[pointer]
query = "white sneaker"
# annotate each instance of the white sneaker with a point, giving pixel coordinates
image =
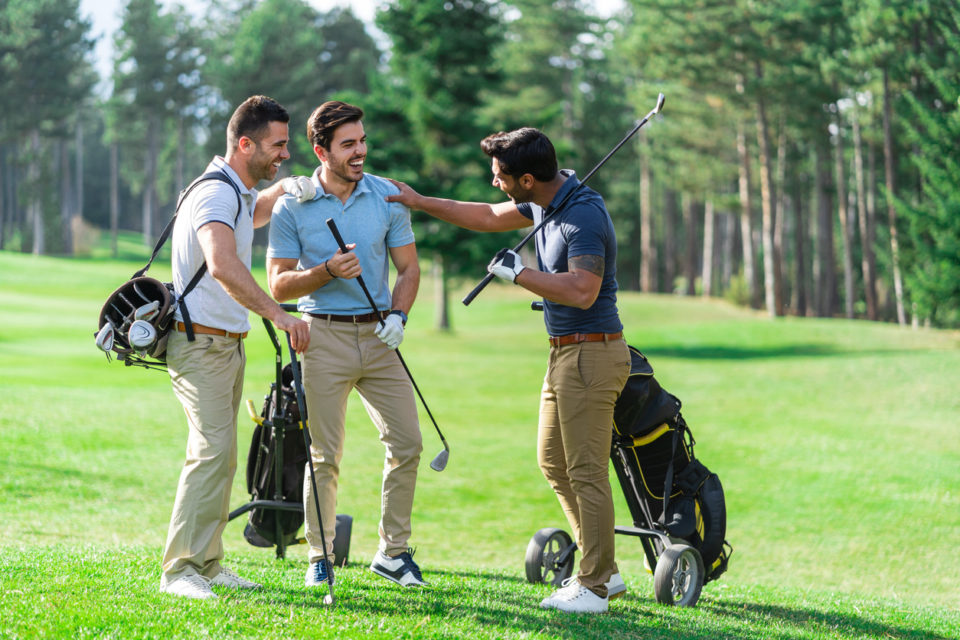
(575, 598)
(227, 578)
(189, 586)
(615, 587)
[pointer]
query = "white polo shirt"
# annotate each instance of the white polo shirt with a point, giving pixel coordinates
(212, 201)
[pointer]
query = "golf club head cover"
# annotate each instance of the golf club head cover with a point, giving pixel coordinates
(300, 187)
(506, 264)
(390, 331)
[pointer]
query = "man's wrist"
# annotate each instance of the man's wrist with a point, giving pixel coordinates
(398, 312)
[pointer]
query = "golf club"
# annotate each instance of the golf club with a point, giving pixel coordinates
(439, 462)
(550, 212)
(302, 404)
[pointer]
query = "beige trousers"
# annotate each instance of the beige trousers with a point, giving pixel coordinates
(582, 384)
(207, 378)
(345, 356)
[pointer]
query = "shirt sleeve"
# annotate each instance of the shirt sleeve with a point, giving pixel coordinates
(525, 210)
(585, 232)
(284, 238)
(401, 231)
(214, 201)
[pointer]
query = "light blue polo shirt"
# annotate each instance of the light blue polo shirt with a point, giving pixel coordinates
(299, 231)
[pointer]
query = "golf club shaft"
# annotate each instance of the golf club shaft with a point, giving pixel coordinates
(302, 405)
(343, 247)
(549, 214)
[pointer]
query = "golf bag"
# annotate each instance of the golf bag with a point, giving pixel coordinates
(277, 448)
(137, 317)
(653, 447)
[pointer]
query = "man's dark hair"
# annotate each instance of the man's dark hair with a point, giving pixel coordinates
(252, 117)
(525, 150)
(327, 117)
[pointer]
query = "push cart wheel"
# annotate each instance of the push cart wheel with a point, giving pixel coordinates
(341, 539)
(678, 578)
(550, 556)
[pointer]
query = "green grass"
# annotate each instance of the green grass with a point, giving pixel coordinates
(836, 442)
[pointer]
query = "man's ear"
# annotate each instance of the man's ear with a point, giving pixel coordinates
(526, 181)
(246, 145)
(320, 152)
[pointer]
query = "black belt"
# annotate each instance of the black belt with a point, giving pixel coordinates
(577, 338)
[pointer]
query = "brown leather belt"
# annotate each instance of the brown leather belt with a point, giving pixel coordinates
(199, 328)
(577, 338)
(358, 319)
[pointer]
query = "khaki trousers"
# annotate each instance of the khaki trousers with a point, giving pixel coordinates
(582, 384)
(343, 356)
(207, 378)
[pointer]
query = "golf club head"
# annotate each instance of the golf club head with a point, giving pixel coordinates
(439, 463)
(148, 311)
(659, 106)
(105, 337)
(142, 335)
(328, 599)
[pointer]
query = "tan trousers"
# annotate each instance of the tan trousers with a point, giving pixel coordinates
(576, 429)
(207, 377)
(345, 356)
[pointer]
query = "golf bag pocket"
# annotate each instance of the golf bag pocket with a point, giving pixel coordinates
(653, 456)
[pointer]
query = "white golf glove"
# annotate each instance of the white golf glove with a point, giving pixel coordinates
(506, 264)
(300, 187)
(390, 331)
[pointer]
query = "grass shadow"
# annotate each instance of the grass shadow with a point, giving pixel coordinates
(730, 352)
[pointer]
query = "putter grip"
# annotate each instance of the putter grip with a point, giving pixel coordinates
(336, 234)
(467, 299)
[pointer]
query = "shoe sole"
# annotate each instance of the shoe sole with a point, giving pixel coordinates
(383, 574)
(614, 596)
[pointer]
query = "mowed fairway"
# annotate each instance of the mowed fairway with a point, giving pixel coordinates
(838, 444)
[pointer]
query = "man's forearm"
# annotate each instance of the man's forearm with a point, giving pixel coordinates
(405, 289)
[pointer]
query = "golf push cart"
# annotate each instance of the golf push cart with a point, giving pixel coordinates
(677, 505)
(276, 466)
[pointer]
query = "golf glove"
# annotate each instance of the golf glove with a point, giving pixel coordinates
(300, 187)
(506, 264)
(390, 331)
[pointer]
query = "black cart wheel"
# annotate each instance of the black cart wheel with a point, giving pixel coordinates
(550, 556)
(679, 575)
(341, 539)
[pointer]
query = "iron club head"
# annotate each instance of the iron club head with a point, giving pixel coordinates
(659, 106)
(439, 463)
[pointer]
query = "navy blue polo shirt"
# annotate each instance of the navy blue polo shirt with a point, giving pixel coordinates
(582, 228)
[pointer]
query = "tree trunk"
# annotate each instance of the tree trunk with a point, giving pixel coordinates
(114, 197)
(35, 208)
(844, 219)
(78, 188)
(3, 195)
(780, 214)
(150, 182)
(708, 235)
(648, 257)
(825, 273)
(729, 232)
(891, 211)
(669, 241)
(771, 285)
(746, 217)
(799, 302)
(690, 259)
(66, 205)
(867, 262)
(441, 314)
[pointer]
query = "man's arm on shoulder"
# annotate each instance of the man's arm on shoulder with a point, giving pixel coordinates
(408, 276)
(265, 201)
(476, 216)
(219, 248)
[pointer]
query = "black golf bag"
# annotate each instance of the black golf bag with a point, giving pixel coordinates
(277, 447)
(663, 481)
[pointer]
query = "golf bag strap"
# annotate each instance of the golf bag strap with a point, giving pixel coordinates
(212, 175)
(668, 481)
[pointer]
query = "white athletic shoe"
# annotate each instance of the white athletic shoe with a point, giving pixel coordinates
(229, 579)
(615, 587)
(575, 598)
(189, 586)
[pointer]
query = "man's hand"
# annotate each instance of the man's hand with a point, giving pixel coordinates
(390, 331)
(407, 196)
(506, 264)
(298, 329)
(300, 187)
(344, 265)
